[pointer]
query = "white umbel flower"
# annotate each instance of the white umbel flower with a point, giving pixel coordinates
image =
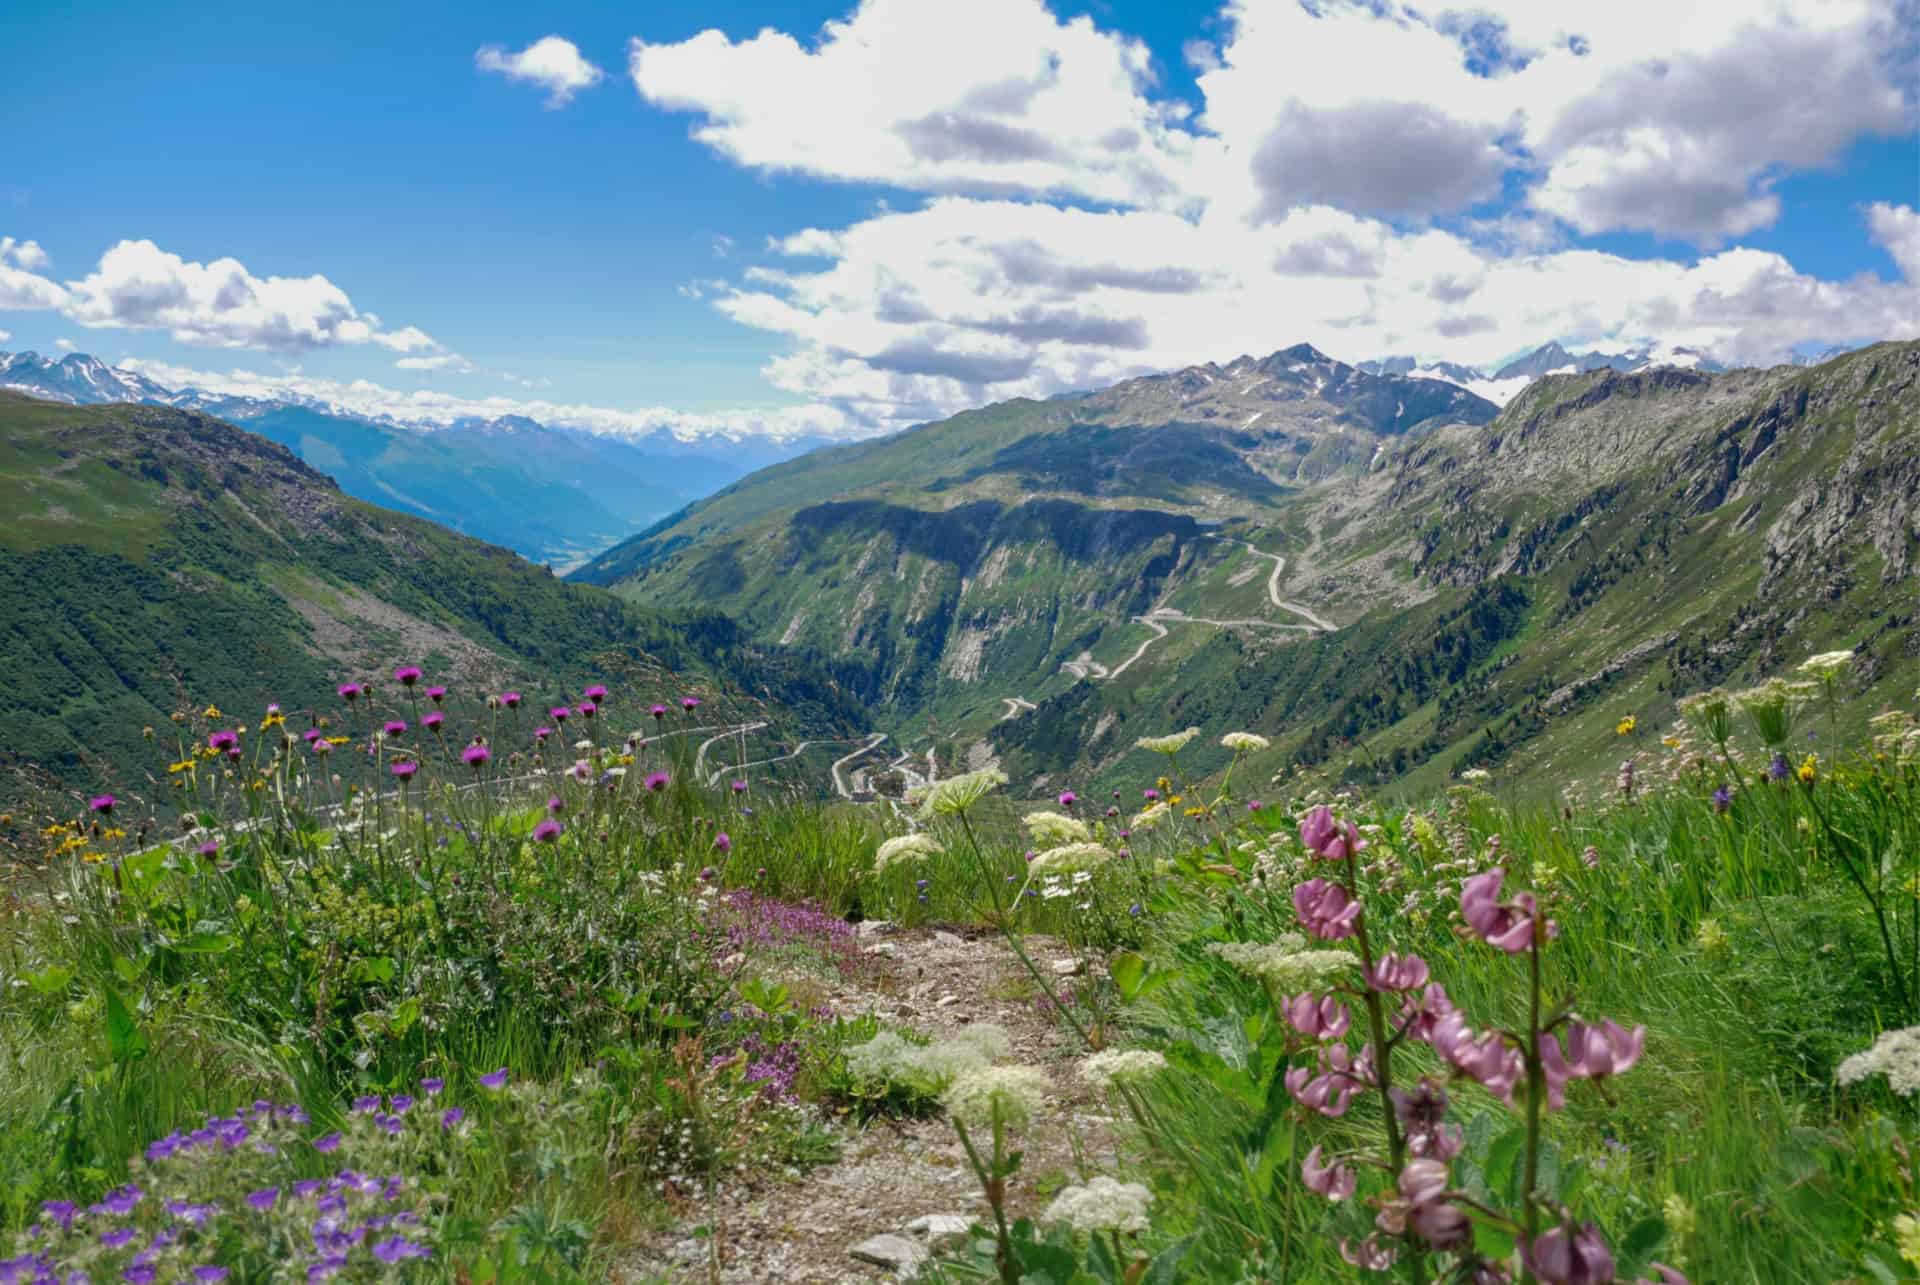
(1055, 828)
(1895, 1055)
(1245, 742)
(1073, 856)
(1015, 1091)
(1101, 1069)
(1827, 662)
(1286, 963)
(907, 847)
(1104, 1204)
(1169, 744)
(1149, 817)
(955, 795)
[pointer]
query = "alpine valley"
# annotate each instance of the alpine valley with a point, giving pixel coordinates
(1392, 577)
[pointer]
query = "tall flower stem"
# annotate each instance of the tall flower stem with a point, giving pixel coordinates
(1536, 1090)
(1004, 918)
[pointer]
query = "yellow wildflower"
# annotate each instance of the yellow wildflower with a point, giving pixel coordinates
(1194, 812)
(1625, 726)
(275, 719)
(1710, 936)
(339, 740)
(211, 711)
(1173, 799)
(184, 765)
(1906, 1231)
(1809, 769)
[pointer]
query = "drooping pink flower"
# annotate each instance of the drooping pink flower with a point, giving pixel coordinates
(1486, 1058)
(407, 675)
(1418, 1016)
(1318, 1018)
(1325, 909)
(1398, 973)
(1371, 1254)
(1329, 838)
(1596, 1052)
(1333, 1179)
(1569, 1256)
(1662, 1275)
(1326, 1094)
(1507, 925)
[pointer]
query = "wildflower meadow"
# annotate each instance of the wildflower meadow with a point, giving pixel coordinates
(442, 985)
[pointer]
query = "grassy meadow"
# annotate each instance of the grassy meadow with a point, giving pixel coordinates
(452, 988)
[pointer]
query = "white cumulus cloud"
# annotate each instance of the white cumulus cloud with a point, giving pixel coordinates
(551, 62)
(1896, 229)
(24, 254)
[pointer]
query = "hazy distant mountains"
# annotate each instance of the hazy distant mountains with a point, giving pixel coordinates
(554, 494)
(1502, 383)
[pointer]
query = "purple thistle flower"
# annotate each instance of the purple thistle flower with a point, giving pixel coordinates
(547, 831)
(223, 740)
(494, 1079)
(555, 805)
(432, 719)
(657, 781)
(542, 733)
(436, 694)
(1254, 805)
(1149, 794)
(404, 769)
(559, 713)
(739, 787)
(689, 703)
(451, 1116)
(476, 756)
(395, 728)
(103, 804)
(211, 848)
(586, 709)
(511, 700)
(722, 842)
(597, 692)
(407, 675)
(349, 691)
(264, 1199)
(658, 711)
(1068, 798)
(311, 735)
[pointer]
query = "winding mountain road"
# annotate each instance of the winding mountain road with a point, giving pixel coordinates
(1273, 585)
(840, 786)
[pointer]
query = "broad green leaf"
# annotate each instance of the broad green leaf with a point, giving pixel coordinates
(124, 1040)
(1129, 971)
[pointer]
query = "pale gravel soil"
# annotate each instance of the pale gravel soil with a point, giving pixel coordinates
(781, 1229)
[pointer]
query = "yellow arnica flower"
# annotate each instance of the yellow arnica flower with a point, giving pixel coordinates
(339, 740)
(184, 765)
(273, 720)
(1196, 812)
(1809, 770)
(1625, 726)
(211, 711)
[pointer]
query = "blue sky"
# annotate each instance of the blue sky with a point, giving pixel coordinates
(1423, 180)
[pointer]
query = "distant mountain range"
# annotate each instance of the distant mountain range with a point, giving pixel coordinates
(156, 559)
(554, 494)
(1390, 576)
(1501, 384)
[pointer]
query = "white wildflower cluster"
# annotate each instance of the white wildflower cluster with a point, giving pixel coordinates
(1073, 856)
(907, 847)
(1895, 1055)
(1150, 817)
(1170, 744)
(890, 1058)
(1826, 664)
(1101, 1069)
(1104, 1204)
(1245, 742)
(1286, 963)
(1015, 1093)
(1475, 775)
(955, 795)
(1055, 828)
(1054, 887)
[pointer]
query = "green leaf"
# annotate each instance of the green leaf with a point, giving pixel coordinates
(50, 980)
(1641, 1240)
(1492, 1240)
(205, 942)
(124, 1040)
(1100, 1261)
(378, 969)
(1129, 972)
(1165, 1268)
(1503, 1169)
(1877, 1268)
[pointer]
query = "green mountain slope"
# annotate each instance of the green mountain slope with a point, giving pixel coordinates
(1158, 555)
(155, 556)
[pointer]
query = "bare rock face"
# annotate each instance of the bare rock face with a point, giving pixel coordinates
(894, 1252)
